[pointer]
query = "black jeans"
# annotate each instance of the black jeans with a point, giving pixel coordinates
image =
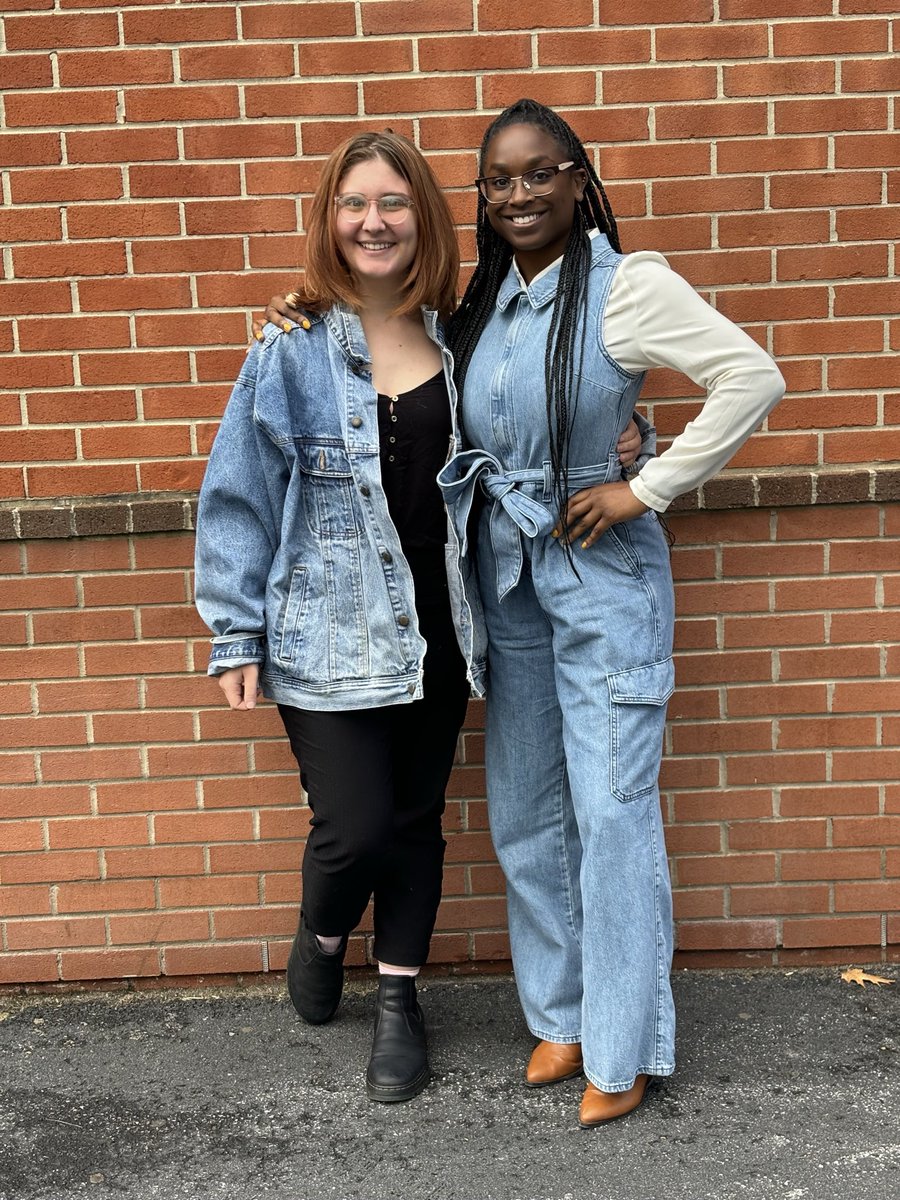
(376, 779)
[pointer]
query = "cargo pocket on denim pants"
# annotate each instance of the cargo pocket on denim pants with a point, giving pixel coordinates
(637, 719)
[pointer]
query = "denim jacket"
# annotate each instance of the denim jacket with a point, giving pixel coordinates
(298, 564)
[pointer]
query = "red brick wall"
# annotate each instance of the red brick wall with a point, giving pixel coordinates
(155, 160)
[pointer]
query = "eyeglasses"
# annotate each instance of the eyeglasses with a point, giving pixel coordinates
(354, 207)
(539, 182)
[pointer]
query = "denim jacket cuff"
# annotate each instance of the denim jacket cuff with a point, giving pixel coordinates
(236, 652)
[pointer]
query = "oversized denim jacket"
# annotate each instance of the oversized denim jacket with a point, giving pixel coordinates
(298, 564)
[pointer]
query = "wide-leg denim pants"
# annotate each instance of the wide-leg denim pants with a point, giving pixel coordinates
(580, 671)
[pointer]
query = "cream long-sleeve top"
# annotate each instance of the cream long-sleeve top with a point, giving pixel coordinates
(654, 318)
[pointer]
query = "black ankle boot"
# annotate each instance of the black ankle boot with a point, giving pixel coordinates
(398, 1068)
(315, 979)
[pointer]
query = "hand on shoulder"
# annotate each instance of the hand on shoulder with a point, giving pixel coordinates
(281, 311)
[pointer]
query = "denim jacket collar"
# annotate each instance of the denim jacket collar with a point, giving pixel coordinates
(346, 329)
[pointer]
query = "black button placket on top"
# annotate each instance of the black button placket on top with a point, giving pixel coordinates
(392, 440)
(403, 619)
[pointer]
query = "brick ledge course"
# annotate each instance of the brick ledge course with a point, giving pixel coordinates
(98, 516)
(167, 512)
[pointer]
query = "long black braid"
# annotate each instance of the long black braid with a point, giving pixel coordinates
(494, 256)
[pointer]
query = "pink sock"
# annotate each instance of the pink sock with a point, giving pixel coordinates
(390, 969)
(329, 945)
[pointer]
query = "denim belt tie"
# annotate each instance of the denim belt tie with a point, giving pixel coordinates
(512, 511)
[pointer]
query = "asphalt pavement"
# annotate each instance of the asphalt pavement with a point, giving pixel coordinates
(788, 1087)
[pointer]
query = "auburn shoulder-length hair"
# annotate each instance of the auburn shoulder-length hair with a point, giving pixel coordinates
(433, 274)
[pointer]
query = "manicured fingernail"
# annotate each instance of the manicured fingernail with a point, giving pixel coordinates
(554, 533)
(260, 337)
(286, 326)
(584, 545)
(304, 324)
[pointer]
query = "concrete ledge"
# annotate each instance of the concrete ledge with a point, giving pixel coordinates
(790, 488)
(167, 512)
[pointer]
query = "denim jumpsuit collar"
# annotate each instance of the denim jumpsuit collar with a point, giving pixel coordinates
(542, 289)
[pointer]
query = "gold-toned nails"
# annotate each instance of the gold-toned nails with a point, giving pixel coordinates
(286, 326)
(260, 336)
(304, 324)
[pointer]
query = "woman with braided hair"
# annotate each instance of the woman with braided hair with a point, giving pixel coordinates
(551, 342)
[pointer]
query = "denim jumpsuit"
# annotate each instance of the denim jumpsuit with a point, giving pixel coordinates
(580, 671)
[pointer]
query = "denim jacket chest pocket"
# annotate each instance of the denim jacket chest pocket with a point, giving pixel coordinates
(329, 490)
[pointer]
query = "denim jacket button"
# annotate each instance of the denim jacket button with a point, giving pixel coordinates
(403, 620)
(386, 556)
(356, 422)
(363, 491)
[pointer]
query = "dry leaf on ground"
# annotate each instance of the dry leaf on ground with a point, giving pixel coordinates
(858, 975)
